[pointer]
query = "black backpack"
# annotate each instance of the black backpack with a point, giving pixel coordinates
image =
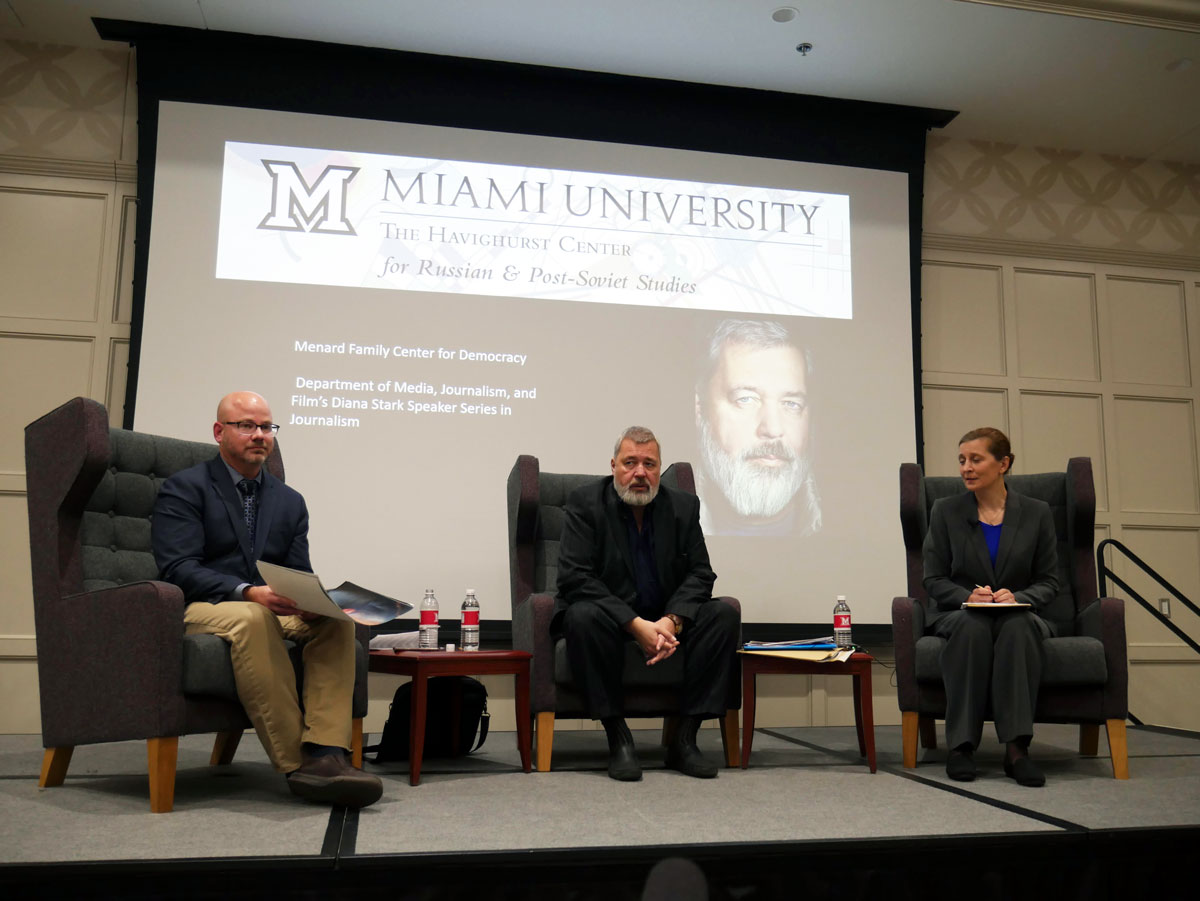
(441, 739)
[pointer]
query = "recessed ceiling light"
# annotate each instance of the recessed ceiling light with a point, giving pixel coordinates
(784, 14)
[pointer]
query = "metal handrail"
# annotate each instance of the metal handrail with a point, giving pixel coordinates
(1103, 570)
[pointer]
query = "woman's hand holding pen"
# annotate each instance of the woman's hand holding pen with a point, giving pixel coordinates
(983, 594)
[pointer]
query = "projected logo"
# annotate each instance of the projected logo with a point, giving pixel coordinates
(297, 206)
(468, 227)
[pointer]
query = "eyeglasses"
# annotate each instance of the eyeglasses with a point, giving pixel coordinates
(247, 427)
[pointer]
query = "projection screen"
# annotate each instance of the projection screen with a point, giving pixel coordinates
(421, 304)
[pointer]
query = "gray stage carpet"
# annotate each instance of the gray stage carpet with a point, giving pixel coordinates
(803, 784)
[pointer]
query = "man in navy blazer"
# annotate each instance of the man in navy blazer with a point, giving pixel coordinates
(212, 524)
(632, 565)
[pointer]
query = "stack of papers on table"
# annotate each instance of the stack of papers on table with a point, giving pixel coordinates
(815, 650)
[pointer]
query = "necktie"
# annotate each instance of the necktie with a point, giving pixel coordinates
(249, 505)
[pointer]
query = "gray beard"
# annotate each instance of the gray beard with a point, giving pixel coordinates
(633, 498)
(754, 491)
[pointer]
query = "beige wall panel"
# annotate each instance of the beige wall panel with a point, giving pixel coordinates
(16, 590)
(1175, 554)
(952, 412)
(1147, 332)
(51, 248)
(21, 713)
(1156, 445)
(1164, 694)
(123, 304)
(1056, 325)
(962, 319)
(49, 370)
(1101, 533)
(1056, 427)
(839, 699)
(118, 375)
(781, 701)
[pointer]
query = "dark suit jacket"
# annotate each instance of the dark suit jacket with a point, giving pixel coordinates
(956, 555)
(595, 563)
(200, 539)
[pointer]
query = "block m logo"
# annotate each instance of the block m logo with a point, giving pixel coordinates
(298, 207)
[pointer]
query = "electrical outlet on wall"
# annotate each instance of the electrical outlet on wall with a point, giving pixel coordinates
(1164, 607)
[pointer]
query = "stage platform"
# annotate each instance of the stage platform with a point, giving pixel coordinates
(806, 820)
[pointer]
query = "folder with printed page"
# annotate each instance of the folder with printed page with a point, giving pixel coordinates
(347, 601)
(814, 650)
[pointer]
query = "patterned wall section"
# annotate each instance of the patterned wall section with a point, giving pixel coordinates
(63, 102)
(1061, 197)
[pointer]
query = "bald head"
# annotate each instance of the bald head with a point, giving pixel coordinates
(239, 399)
(245, 453)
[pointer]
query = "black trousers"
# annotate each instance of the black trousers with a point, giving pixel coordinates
(596, 651)
(996, 655)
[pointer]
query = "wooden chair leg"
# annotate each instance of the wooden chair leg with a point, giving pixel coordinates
(1089, 739)
(224, 748)
(669, 730)
(928, 733)
(356, 742)
(54, 766)
(544, 740)
(729, 736)
(162, 754)
(908, 737)
(1117, 748)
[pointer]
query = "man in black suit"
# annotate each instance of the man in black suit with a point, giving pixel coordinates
(212, 523)
(632, 565)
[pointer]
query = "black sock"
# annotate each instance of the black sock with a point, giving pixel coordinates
(313, 750)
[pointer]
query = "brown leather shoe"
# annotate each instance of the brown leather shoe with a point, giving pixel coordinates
(330, 779)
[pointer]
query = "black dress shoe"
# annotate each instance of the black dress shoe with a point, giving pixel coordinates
(622, 756)
(623, 763)
(683, 755)
(1025, 771)
(960, 766)
(330, 779)
(686, 758)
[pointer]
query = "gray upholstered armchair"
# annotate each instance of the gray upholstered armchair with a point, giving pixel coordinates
(1085, 674)
(113, 661)
(535, 522)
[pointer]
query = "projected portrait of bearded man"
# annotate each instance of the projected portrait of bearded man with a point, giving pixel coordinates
(752, 422)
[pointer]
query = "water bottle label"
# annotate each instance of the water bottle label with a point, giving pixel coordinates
(428, 617)
(470, 617)
(841, 620)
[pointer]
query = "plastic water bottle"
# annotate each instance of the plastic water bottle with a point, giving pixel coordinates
(428, 640)
(841, 623)
(470, 622)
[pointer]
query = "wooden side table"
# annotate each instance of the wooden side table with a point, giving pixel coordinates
(858, 667)
(420, 665)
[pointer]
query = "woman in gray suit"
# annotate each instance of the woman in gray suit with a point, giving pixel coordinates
(990, 558)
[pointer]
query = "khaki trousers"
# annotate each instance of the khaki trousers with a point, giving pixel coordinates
(266, 681)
